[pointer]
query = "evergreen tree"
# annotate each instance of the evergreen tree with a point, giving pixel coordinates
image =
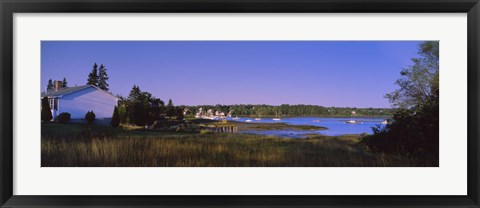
(102, 78)
(46, 111)
(156, 108)
(136, 107)
(93, 76)
(134, 93)
(140, 108)
(170, 109)
(50, 84)
(122, 109)
(179, 113)
(64, 83)
(115, 118)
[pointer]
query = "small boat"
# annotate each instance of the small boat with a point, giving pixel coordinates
(353, 122)
(259, 118)
(277, 118)
(236, 118)
(384, 122)
(248, 120)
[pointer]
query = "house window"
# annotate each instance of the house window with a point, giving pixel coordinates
(53, 104)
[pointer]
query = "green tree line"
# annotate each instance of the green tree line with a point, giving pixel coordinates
(142, 108)
(286, 110)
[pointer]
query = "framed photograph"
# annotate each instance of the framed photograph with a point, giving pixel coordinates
(264, 103)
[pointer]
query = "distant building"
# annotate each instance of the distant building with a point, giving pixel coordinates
(79, 100)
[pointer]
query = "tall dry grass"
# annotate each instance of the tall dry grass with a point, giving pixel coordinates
(90, 146)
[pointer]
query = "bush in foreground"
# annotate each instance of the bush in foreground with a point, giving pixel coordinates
(90, 117)
(415, 134)
(63, 117)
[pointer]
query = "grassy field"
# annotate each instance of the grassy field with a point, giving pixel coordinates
(71, 145)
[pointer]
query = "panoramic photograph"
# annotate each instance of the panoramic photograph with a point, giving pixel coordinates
(239, 103)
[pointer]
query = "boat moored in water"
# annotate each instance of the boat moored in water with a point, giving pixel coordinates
(353, 122)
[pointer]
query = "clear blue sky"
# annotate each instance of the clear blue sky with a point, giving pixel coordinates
(327, 73)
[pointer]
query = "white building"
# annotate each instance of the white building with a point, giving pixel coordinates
(79, 100)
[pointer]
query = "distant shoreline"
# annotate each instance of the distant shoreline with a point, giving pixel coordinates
(319, 116)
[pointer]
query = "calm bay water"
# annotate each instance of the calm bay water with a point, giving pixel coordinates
(336, 126)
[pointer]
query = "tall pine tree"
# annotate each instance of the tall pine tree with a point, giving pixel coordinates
(136, 111)
(93, 76)
(115, 118)
(46, 113)
(170, 111)
(50, 85)
(64, 83)
(102, 78)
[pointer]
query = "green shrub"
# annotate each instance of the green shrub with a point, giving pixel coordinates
(63, 117)
(413, 133)
(90, 117)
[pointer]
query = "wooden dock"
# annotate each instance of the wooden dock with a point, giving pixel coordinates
(222, 128)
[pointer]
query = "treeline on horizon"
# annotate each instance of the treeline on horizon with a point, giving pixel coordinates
(287, 110)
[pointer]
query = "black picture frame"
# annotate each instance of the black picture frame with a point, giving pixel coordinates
(9, 7)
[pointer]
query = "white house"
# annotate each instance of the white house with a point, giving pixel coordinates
(79, 100)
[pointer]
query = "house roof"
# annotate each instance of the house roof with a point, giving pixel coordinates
(67, 90)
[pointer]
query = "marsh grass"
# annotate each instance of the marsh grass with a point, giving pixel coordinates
(73, 145)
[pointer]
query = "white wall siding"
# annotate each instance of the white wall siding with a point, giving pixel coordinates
(89, 99)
